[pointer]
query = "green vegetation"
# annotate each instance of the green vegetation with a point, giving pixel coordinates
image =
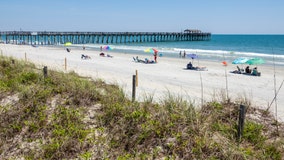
(65, 116)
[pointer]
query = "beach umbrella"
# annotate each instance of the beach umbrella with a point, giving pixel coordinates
(255, 61)
(192, 56)
(67, 44)
(240, 60)
(151, 50)
(107, 48)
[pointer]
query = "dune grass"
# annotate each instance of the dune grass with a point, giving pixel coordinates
(65, 116)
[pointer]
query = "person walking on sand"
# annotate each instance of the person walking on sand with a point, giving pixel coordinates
(179, 54)
(184, 54)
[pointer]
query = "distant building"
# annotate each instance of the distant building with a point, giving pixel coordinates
(192, 31)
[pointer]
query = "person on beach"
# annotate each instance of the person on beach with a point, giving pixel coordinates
(102, 54)
(149, 61)
(155, 56)
(110, 56)
(101, 48)
(184, 54)
(201, 68)
(248, 70)
(179, 54)
(83, 56)
(138, 60)
(190, 66)
(255, 72)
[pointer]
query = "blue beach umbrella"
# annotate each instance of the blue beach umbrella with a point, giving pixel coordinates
(192, 56)
(240, 60)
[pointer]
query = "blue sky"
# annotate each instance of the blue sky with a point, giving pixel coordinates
(215, 16)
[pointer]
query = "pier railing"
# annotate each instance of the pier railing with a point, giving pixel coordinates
(53, 38)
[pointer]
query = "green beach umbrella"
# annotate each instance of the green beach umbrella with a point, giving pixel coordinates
(255, 61)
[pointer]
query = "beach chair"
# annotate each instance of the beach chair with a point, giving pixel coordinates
(135, 60)
(238, 71)
(139, 60)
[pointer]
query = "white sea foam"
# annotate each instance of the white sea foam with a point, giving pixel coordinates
(203, 53)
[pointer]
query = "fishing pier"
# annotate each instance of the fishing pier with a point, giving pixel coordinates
(56, 38)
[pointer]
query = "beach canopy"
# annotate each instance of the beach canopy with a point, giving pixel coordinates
(151, 50)
(240, 60)
(255, 61)
(67, 44)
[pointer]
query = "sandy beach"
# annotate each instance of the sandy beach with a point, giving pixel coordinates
(168, 76)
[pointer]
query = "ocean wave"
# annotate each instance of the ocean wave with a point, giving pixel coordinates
(173, 52)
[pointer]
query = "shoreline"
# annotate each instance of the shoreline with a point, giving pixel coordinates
(206, 55)
(159, 80)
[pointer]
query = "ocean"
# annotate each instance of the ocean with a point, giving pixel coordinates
(219, 48)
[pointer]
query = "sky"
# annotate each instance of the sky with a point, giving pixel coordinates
(215, 16)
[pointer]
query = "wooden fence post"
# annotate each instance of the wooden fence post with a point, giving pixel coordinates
(133, 87)
(45, 71)
(241, 121)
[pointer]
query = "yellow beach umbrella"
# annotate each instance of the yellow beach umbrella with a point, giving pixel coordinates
(151, 50)
(67, 44)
